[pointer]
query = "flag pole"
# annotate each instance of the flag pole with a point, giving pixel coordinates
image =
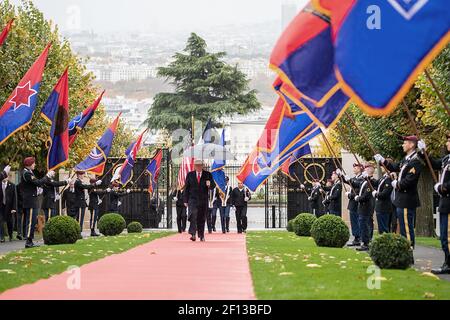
(327, 143)
(304, 190)
(349, 145)
(438, 92)
(413, 123)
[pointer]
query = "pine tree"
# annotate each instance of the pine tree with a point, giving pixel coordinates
(205, 87)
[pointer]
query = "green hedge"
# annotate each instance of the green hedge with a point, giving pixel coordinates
(330, 231)
(391, 251)
(135, 227)
(303, 223)
(111, 224)
(61, 230)
(290, 226)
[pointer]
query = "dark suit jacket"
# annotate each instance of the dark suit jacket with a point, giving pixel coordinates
(238, 197)
(50, 188)
(444, 166)
(29, 189)
(315, 198)
(114, 198)
(11, 199)
(335, 198)
(80, 196)
(196, 194)
(366, 203)
(383, 201)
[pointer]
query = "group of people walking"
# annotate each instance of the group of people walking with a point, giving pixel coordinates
(199, 200)
(393, 198)
(20, 205)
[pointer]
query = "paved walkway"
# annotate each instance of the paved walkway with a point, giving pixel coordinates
(171, 268)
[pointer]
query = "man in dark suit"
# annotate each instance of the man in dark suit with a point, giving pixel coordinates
(315, 198)
(94, 205)
(115, 194)
(198, 184)
(80, 196)
(240, 198)
(68, 201)
(8, 208)
(51, 195)
(335, 196)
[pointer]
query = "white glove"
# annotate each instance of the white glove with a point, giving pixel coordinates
(437, 187)
(309, 198)
(98, 183)
(375, 194)
(57, 197)
(365, 175)
(67, 181)
(348, 194)
(347, 178)
(100, 201)
(7, 169)
(175, 199)
(357, 198)
(302, 186)
(246, 199)
(119, 203)
(379, 158)
(51, 174)
(40, 191)
(394, 184)
(108, 190)
(339, 172)
(421, 145)
(128, 191)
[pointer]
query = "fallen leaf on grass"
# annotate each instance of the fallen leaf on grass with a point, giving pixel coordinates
(429, 295)
(429, 274)
(286, 274)
(7, 271)
(313, 265)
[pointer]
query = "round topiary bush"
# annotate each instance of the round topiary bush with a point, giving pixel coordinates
(303, 223)
(391, 251)
(134, 227)
(330, 231)
(111, 224)
(61, 230)
(290, 226)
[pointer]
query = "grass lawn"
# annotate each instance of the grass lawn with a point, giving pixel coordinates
(28, 266)
(428, 242)
(285, 266)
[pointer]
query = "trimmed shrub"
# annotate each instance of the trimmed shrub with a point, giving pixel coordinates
(303, 224)
(330, 231)
(111, 224)
(290, 226)
(134, 227)
(61, 230)
(391, 251)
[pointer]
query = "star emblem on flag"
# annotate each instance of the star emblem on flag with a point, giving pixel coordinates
(22, 96)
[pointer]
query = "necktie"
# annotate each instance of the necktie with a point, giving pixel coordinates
(4, 193)
(199, 176)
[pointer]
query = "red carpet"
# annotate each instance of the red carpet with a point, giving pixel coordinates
(171, 268)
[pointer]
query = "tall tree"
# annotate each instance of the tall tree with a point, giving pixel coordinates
(204, 87)
(28, 38)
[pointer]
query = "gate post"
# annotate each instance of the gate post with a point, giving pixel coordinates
(168, 189)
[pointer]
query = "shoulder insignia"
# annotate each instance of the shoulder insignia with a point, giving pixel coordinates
(413, 171)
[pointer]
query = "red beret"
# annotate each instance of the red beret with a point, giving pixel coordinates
(28, 162)
(411, 138)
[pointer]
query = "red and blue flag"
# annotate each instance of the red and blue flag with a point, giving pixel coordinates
(218, 167)
(378, 65)
(96, 161)
(18, 109)
(287, 166)
(304, 60)
(126, 172)
(153, 170)
(78, 123)
(6, 31)
(56, 112)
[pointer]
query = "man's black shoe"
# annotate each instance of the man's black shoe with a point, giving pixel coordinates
(354, 244)
(19, 238)
(94, 234)
(30, 245)
(363, 248)
(202, 239)
(193, 239)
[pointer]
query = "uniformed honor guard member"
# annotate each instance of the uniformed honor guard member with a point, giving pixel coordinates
(443, 189)
(114, 197)
(383, 203)
(94, 205)
(30, 203)
(8, 208)
(366, 207)
(334, 197)
(405, 194)
(326, 201)
(239, 199)
(352, 207)
(51, 195)
(225, 207)
(80, 196)
(68, 201)
(314, 198)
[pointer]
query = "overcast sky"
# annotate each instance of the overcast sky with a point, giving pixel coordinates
(135, 15)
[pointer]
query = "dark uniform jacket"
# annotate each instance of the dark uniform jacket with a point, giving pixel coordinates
(80, 195)
(383, 203)
(238, 197)
(179, 195)
(10, 197)
(196, 194)
(228, 195)
(335, 198)
(3, 175)
(356, 183)
(94, 197)
(410, 168)
(114, 199)
(444, 192)
(50, 188)
(365, 200)
(29, 189)
(315, 198)
(68, 201)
